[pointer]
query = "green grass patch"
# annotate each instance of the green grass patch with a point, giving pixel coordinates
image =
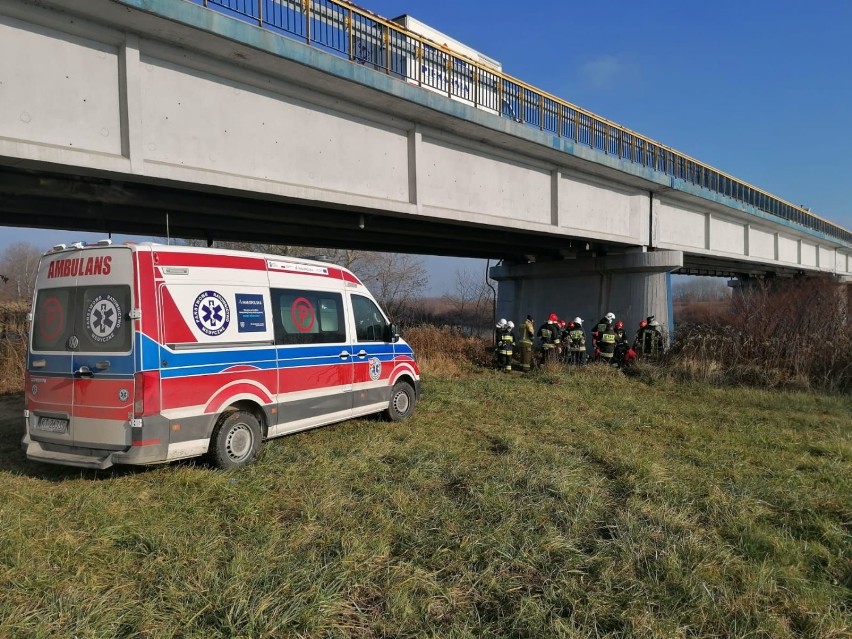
(578, 504)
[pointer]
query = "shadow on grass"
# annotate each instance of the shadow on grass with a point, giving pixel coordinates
(13, 460)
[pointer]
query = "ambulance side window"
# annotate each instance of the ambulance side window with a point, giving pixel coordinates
(308, 317)
(370, 324)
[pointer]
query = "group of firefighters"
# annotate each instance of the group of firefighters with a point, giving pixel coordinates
(559, 341)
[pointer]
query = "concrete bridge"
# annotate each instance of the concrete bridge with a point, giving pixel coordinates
(321, 124)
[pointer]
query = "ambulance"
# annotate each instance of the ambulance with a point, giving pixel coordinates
(146, 353)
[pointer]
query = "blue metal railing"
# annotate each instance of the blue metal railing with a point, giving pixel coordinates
(366, 38)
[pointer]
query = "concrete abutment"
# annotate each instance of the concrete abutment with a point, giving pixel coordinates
(631, 285)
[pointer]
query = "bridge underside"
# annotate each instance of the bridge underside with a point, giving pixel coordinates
(113, 204)
(31, 198)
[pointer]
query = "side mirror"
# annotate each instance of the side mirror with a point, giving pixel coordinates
(391, 333)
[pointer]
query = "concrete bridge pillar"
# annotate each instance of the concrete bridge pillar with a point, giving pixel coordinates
(631, 285)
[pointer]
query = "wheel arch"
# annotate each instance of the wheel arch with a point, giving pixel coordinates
(249, 406)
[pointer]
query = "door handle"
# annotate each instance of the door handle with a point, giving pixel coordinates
(84, 371)
(344, 355)
(362, 354)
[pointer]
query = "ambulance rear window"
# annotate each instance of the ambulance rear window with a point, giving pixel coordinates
(90, 319)
(54, 319)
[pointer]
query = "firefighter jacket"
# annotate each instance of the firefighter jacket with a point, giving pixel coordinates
(527, 333)
(607, 342)
(600, 327)
(548, 333)
(577, 339)
(505, 341)
(650, 340)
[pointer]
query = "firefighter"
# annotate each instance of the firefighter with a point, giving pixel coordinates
(577, 342)
(638, 337)
(562, 349)
(605, 322)
(649, 341)
(498, 330)
(606, 343)
(621, 345)
(548, 334)
(525, 343)
(505, 344)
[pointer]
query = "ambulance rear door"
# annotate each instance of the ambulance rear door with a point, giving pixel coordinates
(81, 361)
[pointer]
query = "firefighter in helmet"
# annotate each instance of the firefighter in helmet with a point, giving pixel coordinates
(649, 340)
(621, 345)
(505, 344)
(607, 321)
(606, 343)
(577, 342)
(548, 335)
(525, 343)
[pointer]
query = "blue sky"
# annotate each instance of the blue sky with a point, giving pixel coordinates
(761, 90)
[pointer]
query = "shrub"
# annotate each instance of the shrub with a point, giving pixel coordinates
(13, 346)
(446, 350)
(788, 334)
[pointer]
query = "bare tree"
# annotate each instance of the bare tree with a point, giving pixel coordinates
(472, 303)
(701, 289)
(18, 270)
(395, 279)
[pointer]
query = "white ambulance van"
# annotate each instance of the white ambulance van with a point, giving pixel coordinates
(145, 353)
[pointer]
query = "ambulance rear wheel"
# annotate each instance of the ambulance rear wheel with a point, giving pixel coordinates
(401, 402)
(235, 441)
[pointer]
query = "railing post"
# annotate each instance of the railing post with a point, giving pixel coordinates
(260, 13)
(419, 64)
(541, 112)
(522, 104)
(306, 8)
(558, 120)
(350, 32)
(386, 40)
(475, 78)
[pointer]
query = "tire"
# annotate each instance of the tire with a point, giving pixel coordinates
(235, 440)
(402, 402)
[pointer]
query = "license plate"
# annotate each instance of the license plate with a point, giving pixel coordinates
(52, 425)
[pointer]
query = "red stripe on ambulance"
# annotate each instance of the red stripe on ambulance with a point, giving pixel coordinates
(227, 394)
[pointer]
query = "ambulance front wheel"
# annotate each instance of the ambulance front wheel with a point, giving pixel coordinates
(401, 402)
(235, 441)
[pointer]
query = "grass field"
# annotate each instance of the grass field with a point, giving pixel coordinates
(554, 505)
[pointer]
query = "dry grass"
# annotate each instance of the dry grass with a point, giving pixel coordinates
(565, 503)
(447, 351)
(13, 346)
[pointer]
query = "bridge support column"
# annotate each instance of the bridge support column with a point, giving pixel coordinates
(631, 285)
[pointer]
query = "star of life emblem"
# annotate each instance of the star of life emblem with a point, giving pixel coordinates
(211, 313)
(103, 318)
(375, 368)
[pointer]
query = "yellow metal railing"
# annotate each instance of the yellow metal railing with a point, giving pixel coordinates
(371, 40)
